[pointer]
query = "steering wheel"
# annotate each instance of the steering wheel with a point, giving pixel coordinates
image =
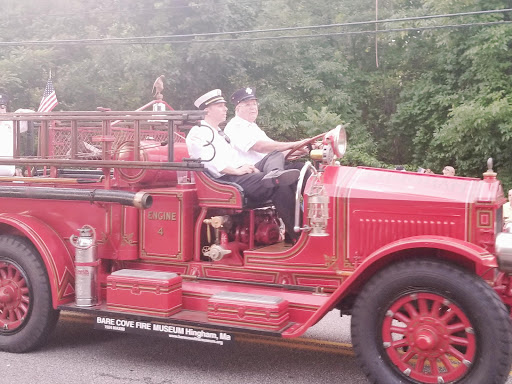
(303, 144)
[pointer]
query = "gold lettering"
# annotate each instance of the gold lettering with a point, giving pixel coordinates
(162, 216)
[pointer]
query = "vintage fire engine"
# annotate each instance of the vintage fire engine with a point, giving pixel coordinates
(113, 219)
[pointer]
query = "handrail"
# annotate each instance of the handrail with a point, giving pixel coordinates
(307, 165)
(105, 163)
(102, 158)
(107, 115)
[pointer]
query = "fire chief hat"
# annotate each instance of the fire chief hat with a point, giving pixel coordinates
(243, 94)
(209, 98)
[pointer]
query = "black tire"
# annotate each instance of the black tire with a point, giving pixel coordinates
(27, 317)
(403, 312)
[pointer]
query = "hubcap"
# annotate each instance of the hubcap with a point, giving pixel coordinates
(6, 294)
(14, 297)
(428, 338)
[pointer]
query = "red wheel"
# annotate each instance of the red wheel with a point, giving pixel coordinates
(27, 316)
(15, 300)
(424, 321)
(429, 337)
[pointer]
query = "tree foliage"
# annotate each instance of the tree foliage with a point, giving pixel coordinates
(421, 97)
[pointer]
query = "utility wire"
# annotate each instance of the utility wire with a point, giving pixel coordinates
(166, 39)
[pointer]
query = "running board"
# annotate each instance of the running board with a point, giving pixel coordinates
(185, 325)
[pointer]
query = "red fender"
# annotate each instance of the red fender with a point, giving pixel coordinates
(53, 251)
(477, 256)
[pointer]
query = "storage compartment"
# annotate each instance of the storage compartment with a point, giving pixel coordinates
(150, 293)
(248, 310)
(167, 227)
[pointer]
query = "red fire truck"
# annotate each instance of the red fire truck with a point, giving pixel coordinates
(113, 219)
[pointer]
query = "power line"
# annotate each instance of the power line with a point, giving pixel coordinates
(166, 39)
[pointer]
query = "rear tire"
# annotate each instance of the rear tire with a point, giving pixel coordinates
(27, 316)
(424, 321)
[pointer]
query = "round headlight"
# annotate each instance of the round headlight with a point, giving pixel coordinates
(337, 138)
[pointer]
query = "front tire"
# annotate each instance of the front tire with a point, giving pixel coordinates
(27, 316)
(424, 321)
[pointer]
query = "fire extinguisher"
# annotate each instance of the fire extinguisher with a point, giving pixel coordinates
(86, 267)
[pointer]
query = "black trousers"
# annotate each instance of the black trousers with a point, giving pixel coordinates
(283, 197)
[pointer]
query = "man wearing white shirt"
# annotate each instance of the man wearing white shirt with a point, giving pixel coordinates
(6, 139)
(247, 137)
(261, 181)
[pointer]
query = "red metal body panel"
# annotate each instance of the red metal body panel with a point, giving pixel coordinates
(213, 194)
(53, 250)
(144, 292)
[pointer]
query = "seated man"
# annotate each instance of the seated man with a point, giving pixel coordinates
(261, 181)
(247, 137)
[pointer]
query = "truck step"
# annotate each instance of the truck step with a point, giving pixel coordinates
(144, 292)
(249, 310)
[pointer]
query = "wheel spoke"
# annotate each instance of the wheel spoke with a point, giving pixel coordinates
(423, 307)
(399, 343)
(448, 364)
(396, 329)
(436, 308)
(411, 310)
(454, 328)
(458, 355)
(23, 309)
(18, 313)
(408, 356)
(17, 276)
(8, 274)
(459, 340)
(401, 317)
(448, 316)
(434, 368)
(420, 365)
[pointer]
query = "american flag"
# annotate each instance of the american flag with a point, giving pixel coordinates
(49, 100)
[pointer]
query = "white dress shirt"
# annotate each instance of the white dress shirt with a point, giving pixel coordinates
(218, 155)
(6, 147)
(244, 135)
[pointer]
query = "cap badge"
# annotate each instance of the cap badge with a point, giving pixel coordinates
(248, 91)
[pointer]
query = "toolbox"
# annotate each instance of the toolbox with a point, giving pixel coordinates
(248, 310)
(150, 293)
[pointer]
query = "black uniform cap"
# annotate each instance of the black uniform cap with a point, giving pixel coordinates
(243, 94)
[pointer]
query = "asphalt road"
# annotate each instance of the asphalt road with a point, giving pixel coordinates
(79, 354)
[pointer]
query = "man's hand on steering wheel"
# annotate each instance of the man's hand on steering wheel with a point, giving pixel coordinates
(303, 147)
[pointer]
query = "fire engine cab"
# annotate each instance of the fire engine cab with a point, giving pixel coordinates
(113, 219)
